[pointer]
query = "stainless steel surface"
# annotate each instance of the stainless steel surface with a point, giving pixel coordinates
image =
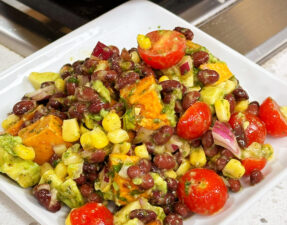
(248, 24)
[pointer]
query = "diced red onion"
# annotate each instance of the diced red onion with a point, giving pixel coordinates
(184, 68)
(102, 51)
(224, 137)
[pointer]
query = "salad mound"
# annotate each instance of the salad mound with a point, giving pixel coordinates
(158, 133)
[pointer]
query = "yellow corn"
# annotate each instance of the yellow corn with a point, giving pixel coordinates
(163, 78)
(183, 168)
(72, 158)
(60, 84)
(283, 110)
(94, 139)
(59, 149)
(102, 65)
(141, 151)
(125, 147)
(45, 167)
(170, 174)
(25, 152)
(233, 169)
(241, 106)
(222, 109)
(70, 130)
(143, 41)
(135, 57)
(228, 86)
(9, 121)
(111, 122)
(61, 170)
(83, 129)
(118, 136)
(197, 157)
(268, 151)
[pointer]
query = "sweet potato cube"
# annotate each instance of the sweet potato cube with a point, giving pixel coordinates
(42, 136)
(222, 70)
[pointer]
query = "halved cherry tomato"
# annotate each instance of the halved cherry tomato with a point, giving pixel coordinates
(195, 121)
(254, 128)
(274, 120)
(251, 164)
(202, 191)
(167, 49)
(90, 214)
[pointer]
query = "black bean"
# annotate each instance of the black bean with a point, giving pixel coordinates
(170, 85)
(126, 79)
(207, 77)
(71, 87)
(253, 108)
(220, 163)
(86, 94)
(134, 171)
(54, 160)
(199, 58)
(232, 102)
(47, 83)
(125, 55)
(97, 106)
(178, 107)
(207, 139)
(240, 136)
(77, 110)
(94, 197)
(147, 71)
(162, 135)
(144, 165)
(171, 184)
(212, 151)
(255, 177)
(167, 96)
(150, 147)
(147, 182)
(234, 185)
(173, 219)
(143, 215)
(227, 154)
(86, 190)
(195, 143)
(114, 49)
(89, 167)
(91, 177)
(181, 209)
(164, 161)
(22, 107)
(80, 180)
(240, 94)
(186, 32)
(189, 98)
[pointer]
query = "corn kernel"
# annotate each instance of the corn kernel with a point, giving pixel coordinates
(183, 168)
(170, 174)
(197, 157)
(111, 122)
(241, 106)
(25, 152)
(118, 136)
(163, 78)
(45, 167)
(228, 86)
(72, 158)
(70, 130)
(59, 149)
(94, 139)
(234, 169)
(60, 84)
(222, 109)
(9, 121)
(143, 41)
(102, 65)
(83, 129)
(141, 151)
(125, 147)
(135, 57)
(61, 170)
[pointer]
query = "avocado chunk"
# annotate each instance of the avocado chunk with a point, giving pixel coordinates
(69, 193)
(26, 173)
(102, 90)
(159, 183)
(9, 142)
(210, 94)
(49, 177)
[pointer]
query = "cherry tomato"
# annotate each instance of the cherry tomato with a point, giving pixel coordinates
(202, 191)
(91, 214)
(167, 49)
(195, 121)
(274, 120)
(254, 128)
(251, 164)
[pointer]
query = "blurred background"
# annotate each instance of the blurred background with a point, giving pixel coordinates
(255, 28)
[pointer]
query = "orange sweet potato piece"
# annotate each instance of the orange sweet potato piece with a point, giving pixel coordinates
(145, 96)
(127, 192)
(42, 136)
(155, 222)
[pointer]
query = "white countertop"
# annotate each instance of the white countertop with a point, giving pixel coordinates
(271, 209)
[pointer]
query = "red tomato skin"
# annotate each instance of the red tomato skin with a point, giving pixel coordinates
(270, 113)
(206, 193)
(91, 214)
(195, 121)
(256, 130)
(171, 51)
(251, 164)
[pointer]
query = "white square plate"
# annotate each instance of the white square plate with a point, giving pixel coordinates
(119, 27)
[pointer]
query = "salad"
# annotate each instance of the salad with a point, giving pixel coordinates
(150, 135)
